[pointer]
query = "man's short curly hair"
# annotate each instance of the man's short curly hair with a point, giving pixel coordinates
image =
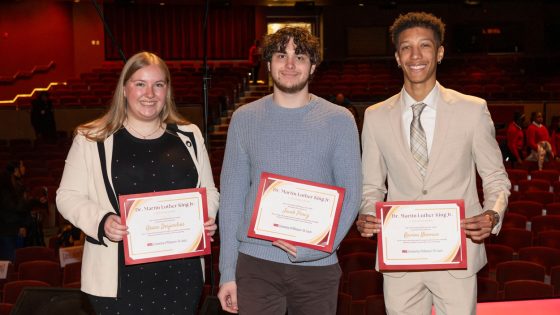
(305, 42)
(417, 19)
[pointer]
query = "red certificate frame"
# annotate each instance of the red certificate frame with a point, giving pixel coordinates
(417, 235)
(167, 225)
(290, 209)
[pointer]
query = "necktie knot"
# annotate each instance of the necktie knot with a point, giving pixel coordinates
(417, 109)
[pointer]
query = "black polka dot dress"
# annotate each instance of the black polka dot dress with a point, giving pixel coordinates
(167, 287)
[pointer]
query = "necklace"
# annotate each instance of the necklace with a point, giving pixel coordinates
(140, 134)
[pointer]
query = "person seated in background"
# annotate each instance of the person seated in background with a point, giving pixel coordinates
(555, 136)
(538, 140)
(17, 226)
(42, 117)
(255, 60)
(516, 138)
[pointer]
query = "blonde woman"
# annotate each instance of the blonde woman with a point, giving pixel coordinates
(140, 145)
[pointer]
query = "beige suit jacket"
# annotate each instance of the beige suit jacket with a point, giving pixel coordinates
(82, 199)
(464, 143)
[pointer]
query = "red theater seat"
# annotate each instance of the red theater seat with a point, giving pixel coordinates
(12, 289)
(42, 270)
(527, 289)
(514, 238)
(487, 289)
(33, 253)
(525, 207)
(543, 256)
(363, 283)
(518, 270)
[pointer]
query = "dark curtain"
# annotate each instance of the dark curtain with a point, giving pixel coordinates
(175, 32)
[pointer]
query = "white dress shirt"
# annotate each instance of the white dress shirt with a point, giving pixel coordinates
(427, 118)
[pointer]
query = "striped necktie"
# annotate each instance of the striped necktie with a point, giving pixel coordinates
(418, 144)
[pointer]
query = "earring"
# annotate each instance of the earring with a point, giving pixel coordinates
(398, 65)
(439, 62)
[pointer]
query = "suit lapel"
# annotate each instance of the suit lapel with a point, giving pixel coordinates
(395, 116)
(443, 117)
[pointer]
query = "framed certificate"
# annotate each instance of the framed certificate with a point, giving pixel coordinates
(301, 212)
(164, 225)
(421, 235)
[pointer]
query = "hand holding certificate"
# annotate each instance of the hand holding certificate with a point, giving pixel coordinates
(300, 212)
(422, 235)
(165, 225)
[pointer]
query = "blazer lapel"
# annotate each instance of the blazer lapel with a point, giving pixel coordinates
(443, 117)
(395, 116)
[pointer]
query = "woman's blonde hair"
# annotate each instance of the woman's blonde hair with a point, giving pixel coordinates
(104, 126)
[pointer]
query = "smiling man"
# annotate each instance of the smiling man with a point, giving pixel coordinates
(296, 134)
(427, 142)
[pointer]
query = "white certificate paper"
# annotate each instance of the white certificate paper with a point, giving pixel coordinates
(165, 225)
(301, 212)
(422, 235)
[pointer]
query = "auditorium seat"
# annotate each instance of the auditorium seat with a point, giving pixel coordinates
(545, 223)
(357, 261)
(497, 253)
(356, 245)
(551, 175)
(362, 283)
(33, 253)
(539, 196)
(514, 220)
(358, 307)
(375, 304)
(526, 207)
(42, 270)
(544, 256)
(487, 289)
(344, 304)
(72, 273)
(514, 238)
(518, 270)
(554, 207)
(527, 289)
(548, 239)
(526, 185)
(555, 279)
(12, 289)
(527, 165)
(6, 308)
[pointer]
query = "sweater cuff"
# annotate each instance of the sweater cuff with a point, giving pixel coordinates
(227, 276)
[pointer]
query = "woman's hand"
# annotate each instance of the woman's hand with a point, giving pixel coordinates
(114, 230)
(210, 226)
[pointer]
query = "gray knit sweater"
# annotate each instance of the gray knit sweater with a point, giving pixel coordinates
(318, 142)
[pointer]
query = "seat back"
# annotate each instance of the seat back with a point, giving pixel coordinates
(549, 238)
(545, 223)
(544, 256)
(357, 261)
(12, 289)
(518, 270)
(72, 273)
(487, 289)
(497, 253)
(356, 245)
(42, 270)
(527, 289)
(375, 304)
(33, 253)
(527, 208)
(363, 283)
(514, 238)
